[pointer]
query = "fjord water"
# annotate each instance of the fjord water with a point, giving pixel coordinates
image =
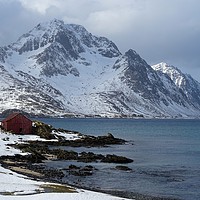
(166, 156)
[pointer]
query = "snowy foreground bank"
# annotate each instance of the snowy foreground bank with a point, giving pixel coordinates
(16, 186)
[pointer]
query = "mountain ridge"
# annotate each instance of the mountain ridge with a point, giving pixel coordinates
(56, 69)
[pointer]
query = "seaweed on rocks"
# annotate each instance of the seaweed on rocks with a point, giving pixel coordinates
(43, 130)
(64, 155)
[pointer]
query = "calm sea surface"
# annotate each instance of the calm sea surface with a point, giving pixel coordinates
(166, 156)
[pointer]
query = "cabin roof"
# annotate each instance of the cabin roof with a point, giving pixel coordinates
(13, 115)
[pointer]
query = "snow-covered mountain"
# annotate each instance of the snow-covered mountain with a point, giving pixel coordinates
(189, 87)
(58, 68)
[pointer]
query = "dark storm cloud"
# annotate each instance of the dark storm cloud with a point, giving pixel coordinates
(8, 14)
(169, 31)
(15, 21)
(158, 30)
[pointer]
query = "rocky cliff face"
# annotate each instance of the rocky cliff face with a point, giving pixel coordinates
(59, 68)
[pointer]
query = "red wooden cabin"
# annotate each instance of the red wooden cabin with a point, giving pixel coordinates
(17, 123)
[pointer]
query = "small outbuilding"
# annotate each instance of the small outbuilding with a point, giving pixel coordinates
(17, 123)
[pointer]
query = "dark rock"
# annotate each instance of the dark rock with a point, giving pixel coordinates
(88, 168)
(71, 167)
(64, 155)
(123, 168)
(81, 171)
(110, 135)
(30, 158)
(89, 157)
(116, 159)
(49, 173)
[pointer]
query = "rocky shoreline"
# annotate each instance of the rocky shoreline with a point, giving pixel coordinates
(32, 164)
(40, 172)
(42, 151)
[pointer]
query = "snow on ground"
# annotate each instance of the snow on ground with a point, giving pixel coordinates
(81, 195)
(13, 183)
(67, 136)
(16, 186)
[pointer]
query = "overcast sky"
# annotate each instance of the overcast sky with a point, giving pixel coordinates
(159, 30)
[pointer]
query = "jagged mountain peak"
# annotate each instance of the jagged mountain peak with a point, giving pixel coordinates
(188, 86)
(180, 79)
(74, 38)
(54, 24)
(174, 73)
(166, 67)
(54, 47)
(135, 57)
(78, 28)
(131, 52)
(41, 35)
(131, 59)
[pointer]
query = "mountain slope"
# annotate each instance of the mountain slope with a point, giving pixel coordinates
(18, 94)
(59, 68)
(189, 87)
(147, 92)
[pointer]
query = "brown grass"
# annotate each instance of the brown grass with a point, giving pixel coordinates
(57, 188)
